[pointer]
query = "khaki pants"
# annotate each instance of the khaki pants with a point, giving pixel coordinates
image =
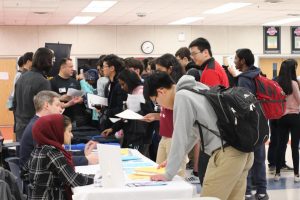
(226, 174)
(163, 152)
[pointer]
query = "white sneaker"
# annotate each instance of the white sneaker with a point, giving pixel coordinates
(297, 179)
(276, 177)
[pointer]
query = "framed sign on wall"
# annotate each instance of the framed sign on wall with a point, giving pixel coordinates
(295, 36)
(272, 39)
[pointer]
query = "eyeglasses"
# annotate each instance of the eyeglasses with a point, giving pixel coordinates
(195, 53)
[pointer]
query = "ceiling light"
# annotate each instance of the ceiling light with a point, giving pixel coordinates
(81, 20)
(99, 6)
(226, 8)
(282, 21)
(186, 20)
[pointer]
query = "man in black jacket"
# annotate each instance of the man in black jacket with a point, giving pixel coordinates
(112, 65)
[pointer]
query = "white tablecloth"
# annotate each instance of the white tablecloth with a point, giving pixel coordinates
(175, 189)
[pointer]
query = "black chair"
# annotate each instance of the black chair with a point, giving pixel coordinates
(14, 165)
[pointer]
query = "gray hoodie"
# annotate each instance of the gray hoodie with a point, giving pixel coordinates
(190, 107)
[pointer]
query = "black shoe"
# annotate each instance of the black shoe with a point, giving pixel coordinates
(262, 197)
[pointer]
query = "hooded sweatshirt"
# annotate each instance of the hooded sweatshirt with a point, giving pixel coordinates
(246, 79)
(190, 107)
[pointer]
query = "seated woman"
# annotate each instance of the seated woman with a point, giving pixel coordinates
(50, 170)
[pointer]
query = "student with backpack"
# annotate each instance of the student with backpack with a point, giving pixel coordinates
(244, 61)
(212, 74)
(228, 167)
(290, 121)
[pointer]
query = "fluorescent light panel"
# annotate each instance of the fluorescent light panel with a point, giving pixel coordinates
(227, 8)
(282, 21)
(186, 20)
(81, 20)
(99, 6)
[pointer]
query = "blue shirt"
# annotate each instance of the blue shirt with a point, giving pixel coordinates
(27, 143)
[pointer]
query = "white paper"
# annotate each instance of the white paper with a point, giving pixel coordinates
(114, 120)
(74, 93)
(111, 166)
(4, 76)
(133, 102)
(129, 114)
(88, 169)
(95, 99)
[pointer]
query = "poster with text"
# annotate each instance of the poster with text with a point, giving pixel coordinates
(295, 36)
(272, 39)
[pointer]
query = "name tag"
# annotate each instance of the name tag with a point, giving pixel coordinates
(62, 90)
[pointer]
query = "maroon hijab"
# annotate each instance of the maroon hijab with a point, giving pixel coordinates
(49, 130)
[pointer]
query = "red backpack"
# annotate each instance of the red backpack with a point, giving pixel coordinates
(271, 97)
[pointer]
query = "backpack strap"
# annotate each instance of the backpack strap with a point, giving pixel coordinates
(203, 92)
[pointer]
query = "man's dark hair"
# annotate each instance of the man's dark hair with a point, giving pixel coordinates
(130, 78)
(42, 59)
(202, 44)
(100, 61)
(183, 52)
(113, 60)
(21, 61)
(27, 56)
(247, 55)
(134, 63)
(155, 81)
(64, 61)
(169, 61)
(146, 61)
(152, 64)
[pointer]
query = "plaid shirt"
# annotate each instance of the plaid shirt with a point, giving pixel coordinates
(48, 172)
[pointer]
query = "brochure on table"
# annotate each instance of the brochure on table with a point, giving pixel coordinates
(111, 166)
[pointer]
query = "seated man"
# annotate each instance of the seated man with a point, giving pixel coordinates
(227, 168)
(46, 103)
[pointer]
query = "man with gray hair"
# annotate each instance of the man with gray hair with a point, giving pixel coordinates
(46, 103)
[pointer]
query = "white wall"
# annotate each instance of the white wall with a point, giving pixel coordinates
(92, 41)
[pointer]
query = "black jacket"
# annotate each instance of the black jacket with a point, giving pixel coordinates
(115, 97)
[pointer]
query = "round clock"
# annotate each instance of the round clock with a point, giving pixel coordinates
(147, 47)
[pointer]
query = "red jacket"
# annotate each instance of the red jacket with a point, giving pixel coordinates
(213, 74)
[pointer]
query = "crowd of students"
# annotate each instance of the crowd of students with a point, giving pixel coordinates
(45, 114)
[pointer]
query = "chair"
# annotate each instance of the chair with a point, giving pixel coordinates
(14, 165)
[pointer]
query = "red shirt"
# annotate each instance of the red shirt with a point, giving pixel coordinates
(166, 122)
(214, 74)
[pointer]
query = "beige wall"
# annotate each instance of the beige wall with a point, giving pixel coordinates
(92, 41)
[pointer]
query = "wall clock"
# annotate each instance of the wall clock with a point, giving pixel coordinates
(147, 47)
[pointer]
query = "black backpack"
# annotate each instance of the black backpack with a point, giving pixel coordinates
(241, 121)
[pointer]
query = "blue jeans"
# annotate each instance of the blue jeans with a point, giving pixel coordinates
(257, 173)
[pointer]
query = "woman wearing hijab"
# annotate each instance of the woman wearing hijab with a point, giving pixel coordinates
(50, 168)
